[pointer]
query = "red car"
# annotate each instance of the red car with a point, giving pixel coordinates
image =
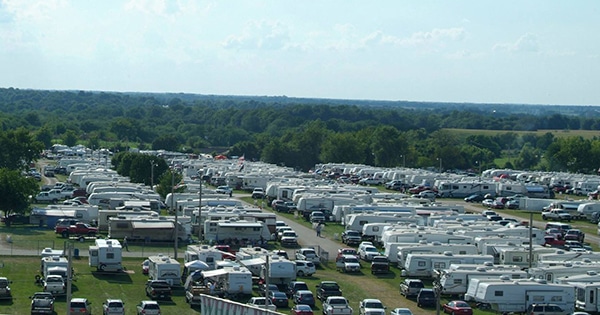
(458, 308)
(302, 309)
(347, 251)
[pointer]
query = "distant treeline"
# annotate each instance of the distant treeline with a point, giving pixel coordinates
(303, 132)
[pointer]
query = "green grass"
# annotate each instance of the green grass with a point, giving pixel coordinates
(464, 133)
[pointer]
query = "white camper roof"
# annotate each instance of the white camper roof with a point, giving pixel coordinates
(152, 224)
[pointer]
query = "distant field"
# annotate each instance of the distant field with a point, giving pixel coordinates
(586, 134)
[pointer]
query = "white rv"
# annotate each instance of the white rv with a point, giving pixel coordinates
(588, 209)
(519, 255)
(231, 280)
(208, 254)
(358, 220)
(400, 253)
(460, 189)
(586, 296)
(560, 257)
(280, 271)
(54, 265)
(566, 270)
(106, 255)
(423, 265)
(509, 295)
(162, 267)
(456, 282)
(147, 229)
(241, 231)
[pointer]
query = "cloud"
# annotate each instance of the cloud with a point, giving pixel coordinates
(434, 37)
(526, 43)
(260, 35)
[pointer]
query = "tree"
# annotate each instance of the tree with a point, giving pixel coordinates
(70, 138)
(165, 184)
(19, 188)
(19, 149)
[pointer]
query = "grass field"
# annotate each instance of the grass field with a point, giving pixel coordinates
(464, 133)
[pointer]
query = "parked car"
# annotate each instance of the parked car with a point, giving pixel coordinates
(347, 251)
(351, 237)
(113, 307)
(411, 287)
(371, 306)
(574, 235)
(278, 298)
(5, 292)
(262, 302)
(301, 309)
(545, 309)
(262, 288)
(304, 297)
(145, 266)
(258, 193)
(295, 286)
(380, 264)
(474, 198)
(401, 311)
(42, 303)
(148, 308)
(368, 252)
(488, 203)
(305, 268)
(79, 306)
(457, 308)
(224, 190)
(158, 289)
(513, 204)
(426, 297)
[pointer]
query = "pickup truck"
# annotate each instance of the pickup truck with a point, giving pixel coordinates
(380, 264)
(347, 263)
(326, 289)
(158, 289)
(411, 287)
(308, 254)
(51, 196)
(337, 305)
(192, 294)
(556, 214)
(262, 302)
(55, 285)
(76, 229)
(42, 303)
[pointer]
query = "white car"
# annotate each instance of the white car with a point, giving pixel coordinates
(113, 307)
(148, 308)
(401, 311)
(305, 268)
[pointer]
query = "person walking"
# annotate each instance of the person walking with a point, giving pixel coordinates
(125, 245)
(318, 228)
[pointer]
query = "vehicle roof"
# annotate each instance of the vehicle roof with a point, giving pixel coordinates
(113, 300)
(371, 300)
(149, 302)
(79, 300)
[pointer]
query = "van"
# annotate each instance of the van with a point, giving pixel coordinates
(563, 227)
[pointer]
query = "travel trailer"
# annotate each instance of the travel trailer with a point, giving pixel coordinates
(239, 232)
(54, 265)
(106, 255)
(555, 273)
(105, 215)
(519, 255)
(456, 282)
(418, 234)
(399, 253)
(587, 210)
(509, 295)
(586, 296)
(424, 265)
(147, 229)
(208, 254)
(460, 189)
(358, 220)
(162, 267)
(230, 280)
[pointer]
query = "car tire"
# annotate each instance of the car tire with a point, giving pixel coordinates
(300, 273)
(65, 234)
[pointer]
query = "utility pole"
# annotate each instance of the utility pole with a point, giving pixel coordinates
(69, 271)
(173, 207)
(152, 174)
(200, 223)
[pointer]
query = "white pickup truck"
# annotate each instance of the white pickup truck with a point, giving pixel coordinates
(556, 214)
(337, 305)
(55, 285)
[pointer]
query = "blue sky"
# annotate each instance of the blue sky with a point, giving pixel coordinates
(534, 52)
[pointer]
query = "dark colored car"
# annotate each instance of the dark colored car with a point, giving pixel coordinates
(351, 237)
(278, 298)
(304, 297)
(380, 264)
(302, 309)
(158, 289)
(474, 198)
(426, 297)
(295, 286)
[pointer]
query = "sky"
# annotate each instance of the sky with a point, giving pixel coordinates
(524, 52)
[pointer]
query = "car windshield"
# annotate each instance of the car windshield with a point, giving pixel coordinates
(54, 279)
(370, 249)
(352, 233)
(77, 305)
(3, 283)
(351, 260)
(461, 304)
(115, 304)
(151, 307)
(373, 305)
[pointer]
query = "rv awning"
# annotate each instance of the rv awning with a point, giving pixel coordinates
(240, 224)
(152, 224)
(214, 273)
(253, 262)
(196, 264)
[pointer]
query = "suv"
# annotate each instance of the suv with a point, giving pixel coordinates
(113, 307)
(545, 309)
(295, 286)
(5, 288)
(426, 297)
(574, 235)
(411, 287)
(380, 264)
(305, 268)
(42, 303)
(79, 306)
(148, 308)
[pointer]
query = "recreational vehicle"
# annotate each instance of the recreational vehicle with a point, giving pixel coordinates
(586, 296)
(236, 232)
(456, 282)
(399, 253)
(509, 295)
(162, 267)
(106, 255)
(147, 229)
(230, 280)
(555, 273)
(587, 210)
(463, 189)
(423, 265)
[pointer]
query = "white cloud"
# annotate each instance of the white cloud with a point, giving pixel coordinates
(526, 43)
(268, 35)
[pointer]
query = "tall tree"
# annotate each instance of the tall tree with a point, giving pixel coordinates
(19, 188)
(19, 149)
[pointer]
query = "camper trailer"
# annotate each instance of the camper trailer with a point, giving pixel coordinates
(357, 221)
(555, 273)
(241, 232)
(106, 255)
(400, 253)
(424, 265)
(230, 280)
(105, 215)
(456, 282)
(208, 254)
(54, 265)
(586, 296)
(148, 229)
(509, 295)
(162, 267)
(460, 189)
(587, 210)
(280, 271)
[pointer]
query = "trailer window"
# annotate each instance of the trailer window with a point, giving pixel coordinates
(517, 259)
(421, 264)
(439, 265)
(556, 298)
(457, 281)
(498, 293)
(375, 229)
(110, 255)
